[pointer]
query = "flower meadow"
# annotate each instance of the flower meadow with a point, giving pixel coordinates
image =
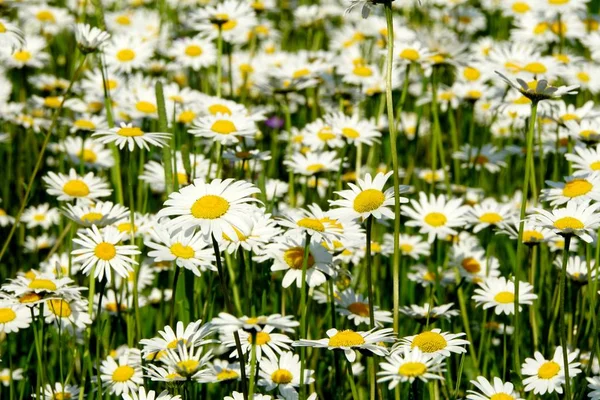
(299, 199)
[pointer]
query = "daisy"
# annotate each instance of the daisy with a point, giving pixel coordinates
(132, 137)
(99, 253)
(412, 246)
(473, 264)
(580, 188)
(356, 308)
(224, 371)
(229, 18)
(437, 217)
(594, 386)
(228, 323)
(195, 52)
(585, 160)
(226, 129)
(30, 54)
(319, 135)
(284, 373)
(267, 343)
(217, 208)
(499, 390)
(587, 130)
(422, 314)
(257, 396)
(538, 90)
(579, 219)
(5, 219)
(187, 248)
(313, 222)
(313, 163)
(499, 293)
(124, 374)
(89, 152)
(577, 268)
(73, 186)
(489, 213)
(141, 394)
(189, 363)
(487, 157)
(68, 314)
(367, 199)
(14, 317)
(6, 375)
(89, 39)
(127, 52)
(353, 129)
(288, 255)
(42, 216)
(60, 391)
(532, 233)
(350, 342)
(434, 343)
(11, 37)
(409, 365)
(192, 335)
(264, 230)
(100, 213)
(548, 376)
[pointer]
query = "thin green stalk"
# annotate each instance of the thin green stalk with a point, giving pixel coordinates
(303, 314)
(219, 58)
(252, 366)
(520, 244)
(395, 166)
(163, 127)
(563, 325)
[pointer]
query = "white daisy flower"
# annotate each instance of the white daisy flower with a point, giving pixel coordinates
(132, 137)
(350, 341)
(499, 293)
(356, 308)
(435, 342)
(100, 213)
(89, 38)
(499, 390)
(579, 219)
(548, 376)
(74, 186)
(124, 374)
(284, 373)
(141, 394)
(14, 317)
(224, 128)
(580, 188)
(100, 253)
(409, 365)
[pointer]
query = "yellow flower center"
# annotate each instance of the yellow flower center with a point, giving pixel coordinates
(368, 200)
(471, 265)
(595, 166)
(7, 315)
(60, 308)
(123, 20)
(548, 370)
(520, 8)
(362, 71)
(123, 373)
(361, 309)
(569, 117)
(193, 50)
(126, 227)
(240, 236)
(501, 396)
(429, 342)
(88, 156)
(22, 56)
(227, 374)
(314, 168)
(181, 251)
(39, 217)
(29, 298)
(105, 251)
(219, 109)
(532, 236)
(125, 55)
(146, 107)
(412, 369)
(481, 160)
(76, 188)
(282, 376)
(325, 134)
(44, 284)
(491, 218)
(45, 16)
(174, 343)
(186, 116)
(436, 219)
(210, 206)
(568, 223)
(535, 68)
(130, 131)
(301, 73)
(406, 248)
(350, 133)
(294, 258)
(557, 2)
(61, 396)
(471, 74)
(52, 101)
(410, 54)
(583, 77)
(261, 338)
(2, 28)
(347, 338)
(505, 297)
(577, 187)
(311, 223)
(187, 367)
(223, 127)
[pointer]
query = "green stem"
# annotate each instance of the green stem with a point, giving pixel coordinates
(563, 325)
(303, 314)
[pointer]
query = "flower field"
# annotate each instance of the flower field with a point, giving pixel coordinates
(299, 199)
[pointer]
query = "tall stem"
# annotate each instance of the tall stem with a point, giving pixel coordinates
(219, 57)
(303, 314)
(395, 167)
(520, 245)
(563, 324)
